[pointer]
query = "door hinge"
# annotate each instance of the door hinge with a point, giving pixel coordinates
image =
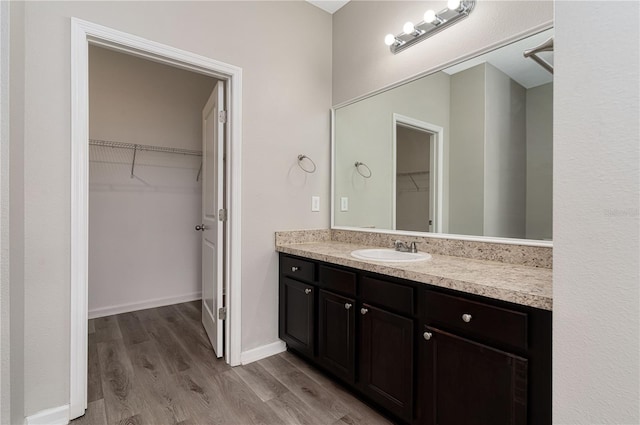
(222, 214)
(222, 116)
(222, 313)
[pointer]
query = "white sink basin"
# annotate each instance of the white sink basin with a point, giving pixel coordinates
(389, 255)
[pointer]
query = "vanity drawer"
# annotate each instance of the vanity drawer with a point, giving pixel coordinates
(338, 280)
(387, 294)
(477, 319)
(298, 269)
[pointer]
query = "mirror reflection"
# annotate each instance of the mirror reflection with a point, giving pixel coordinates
(466, 150)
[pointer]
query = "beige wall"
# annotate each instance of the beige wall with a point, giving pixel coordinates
(286, 98)
(5, 293)
(17, 211)
(505, 156)
(540, 162)
(142, 245)
(596, 194)
(467, 152)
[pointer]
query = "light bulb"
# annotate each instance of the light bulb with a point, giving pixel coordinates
(389, 39)
(429, 16)
(408, 28)
(453, 4)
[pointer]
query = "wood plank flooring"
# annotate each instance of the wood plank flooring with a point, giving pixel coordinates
(157, 367)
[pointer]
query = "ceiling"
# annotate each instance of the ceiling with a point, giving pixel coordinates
(510, 60)
(330, 6)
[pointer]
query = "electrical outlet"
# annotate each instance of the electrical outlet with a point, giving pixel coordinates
(315, 203)
(344, 204)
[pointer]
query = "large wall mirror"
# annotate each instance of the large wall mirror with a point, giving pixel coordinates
(467, 150)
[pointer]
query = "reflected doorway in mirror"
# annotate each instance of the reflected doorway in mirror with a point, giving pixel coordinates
(417, 175)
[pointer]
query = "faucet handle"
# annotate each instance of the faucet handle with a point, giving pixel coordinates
(414, 247)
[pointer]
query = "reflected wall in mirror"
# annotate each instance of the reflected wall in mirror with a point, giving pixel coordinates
(465, 151)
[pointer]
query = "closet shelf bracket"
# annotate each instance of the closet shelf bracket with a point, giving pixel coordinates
(133, 162)
(199, 172)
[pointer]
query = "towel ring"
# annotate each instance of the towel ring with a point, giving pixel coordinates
(306, 170)
(362, 164)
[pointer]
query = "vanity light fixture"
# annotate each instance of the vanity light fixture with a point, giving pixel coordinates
(433, 22)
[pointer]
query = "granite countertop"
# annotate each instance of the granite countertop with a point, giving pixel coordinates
(529, 286)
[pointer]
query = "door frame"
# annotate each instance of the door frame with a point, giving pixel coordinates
(84, 33)
(436, 158)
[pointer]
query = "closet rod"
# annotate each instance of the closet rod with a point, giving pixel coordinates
(133, 146)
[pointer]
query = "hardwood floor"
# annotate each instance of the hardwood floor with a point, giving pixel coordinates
(156, 367)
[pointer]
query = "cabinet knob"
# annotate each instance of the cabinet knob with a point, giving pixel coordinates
(307, 291)
(364, 311)
(466, 318)
(347, 306)
(295, 269)
(427, 335)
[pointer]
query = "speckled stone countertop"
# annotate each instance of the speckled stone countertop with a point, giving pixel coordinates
(530, 286)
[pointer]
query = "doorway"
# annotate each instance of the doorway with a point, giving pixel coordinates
(86, 33)
(417, 175)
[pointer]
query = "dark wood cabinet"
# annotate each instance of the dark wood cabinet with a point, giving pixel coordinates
(469, 383)
(386, 360)
(423, 354)
(297, 315)
(336, 334)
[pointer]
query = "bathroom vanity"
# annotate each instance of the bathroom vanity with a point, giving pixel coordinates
(449, 341)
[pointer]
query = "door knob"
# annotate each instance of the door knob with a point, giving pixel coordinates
(347, 306)
(466, 318)
(307, 291)
(201, 227)
(427, 335)
(364, 311)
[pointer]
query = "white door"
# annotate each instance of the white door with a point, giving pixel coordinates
(212, 227)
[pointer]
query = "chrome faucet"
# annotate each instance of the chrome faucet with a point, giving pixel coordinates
(405, 246)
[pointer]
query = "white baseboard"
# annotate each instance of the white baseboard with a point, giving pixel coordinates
(262, 352)
(156, 302)
(55, 416)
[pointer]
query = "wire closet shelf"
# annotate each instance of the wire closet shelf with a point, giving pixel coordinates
(138, 147)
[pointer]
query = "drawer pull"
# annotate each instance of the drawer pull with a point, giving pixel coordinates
(364, 311)
(307, 291)
(295, 269)
(347, 306)
(427, 335)
(466, 318)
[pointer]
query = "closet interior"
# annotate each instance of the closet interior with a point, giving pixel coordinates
(145, 159)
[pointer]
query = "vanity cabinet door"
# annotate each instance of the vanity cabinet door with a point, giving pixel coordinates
(464, 382)
(336, 334)
(297, 312)
(386, 359)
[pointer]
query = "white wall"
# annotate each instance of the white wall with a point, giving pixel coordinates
(505, 156)
(540, 162)
(596, 197)
(286, 99)
(143, 249)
